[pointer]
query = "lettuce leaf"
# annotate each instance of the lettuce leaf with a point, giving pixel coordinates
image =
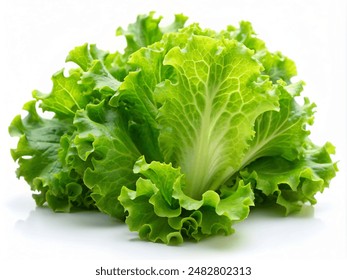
(39, 154)
(161, 212)
(102, 138)
(290, 184)
(208, 115)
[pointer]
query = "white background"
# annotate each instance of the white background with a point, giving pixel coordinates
(35, 38)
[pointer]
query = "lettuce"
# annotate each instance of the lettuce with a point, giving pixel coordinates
(178, 136)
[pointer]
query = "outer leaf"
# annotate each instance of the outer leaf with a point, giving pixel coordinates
(37, 153)
(85, 55)
(142, 33)
(103, 138)
(245, 35)
(74, 92)
(276, 65)
(282, 133)
(143, 219)
(146, 31)
(136, 101)
(96, 75)
(159, 220)
(292, 183)
(66, 96)
(157, 172)
(208, 115)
